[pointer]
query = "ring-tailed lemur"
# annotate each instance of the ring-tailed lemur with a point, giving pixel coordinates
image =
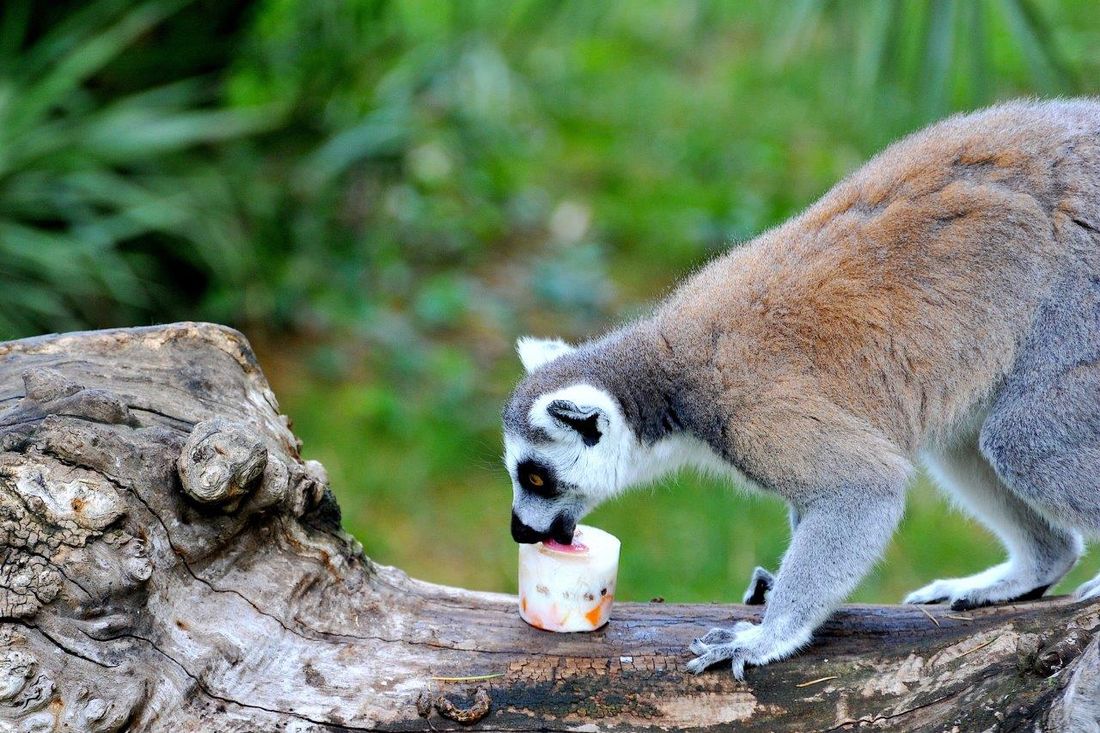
(942, 303)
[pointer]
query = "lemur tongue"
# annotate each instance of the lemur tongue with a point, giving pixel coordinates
(559, 547)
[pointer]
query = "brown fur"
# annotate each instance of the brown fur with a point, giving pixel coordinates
(882, 317)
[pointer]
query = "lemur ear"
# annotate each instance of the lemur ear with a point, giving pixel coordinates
(534, 352)
(585, 420)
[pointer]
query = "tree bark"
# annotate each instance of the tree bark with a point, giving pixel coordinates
(170, 563)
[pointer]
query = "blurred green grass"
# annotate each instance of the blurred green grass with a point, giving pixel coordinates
(384, 194)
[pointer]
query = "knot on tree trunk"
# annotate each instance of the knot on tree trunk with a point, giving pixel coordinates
(108, 473)
(223, 463)
(220, 462)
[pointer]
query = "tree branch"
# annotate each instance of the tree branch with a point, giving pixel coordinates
(169, 562)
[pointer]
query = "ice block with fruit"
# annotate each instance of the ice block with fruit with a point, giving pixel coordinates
(569, 587)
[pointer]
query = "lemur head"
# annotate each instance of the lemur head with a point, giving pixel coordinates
(567, 445)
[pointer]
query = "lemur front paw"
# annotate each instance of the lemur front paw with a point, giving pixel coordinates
(717, 645)
(759, 586)
(745, 643)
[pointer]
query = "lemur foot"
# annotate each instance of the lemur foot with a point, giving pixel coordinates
(1000, 584)
(761, 582)
(1088, 590)
(745, 643)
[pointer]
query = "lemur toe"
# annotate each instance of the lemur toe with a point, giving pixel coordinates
(737, 656)
(712, 655)
(938, 591)
(970, 601)
(700, 664)
(924, 599)
(720, 635)
(712, 638)
(967, 604)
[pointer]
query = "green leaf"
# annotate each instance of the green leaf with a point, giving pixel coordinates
(1034, 38)
(82, 61)
(939, 40)
(133, 133)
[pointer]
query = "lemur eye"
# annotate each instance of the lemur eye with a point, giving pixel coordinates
(536, 478)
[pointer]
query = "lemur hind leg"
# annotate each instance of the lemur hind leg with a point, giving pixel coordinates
(1039, 552)
(1042, 434)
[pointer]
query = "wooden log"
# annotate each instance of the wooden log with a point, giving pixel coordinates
(170, 563)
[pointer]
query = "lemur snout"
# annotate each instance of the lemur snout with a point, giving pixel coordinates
(523, 534)
(561, 530)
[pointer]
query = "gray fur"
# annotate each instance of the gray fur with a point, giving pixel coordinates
(943, 302)
(1043, 432)
(624, 364)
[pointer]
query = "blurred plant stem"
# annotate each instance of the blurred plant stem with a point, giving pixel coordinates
(937, 50)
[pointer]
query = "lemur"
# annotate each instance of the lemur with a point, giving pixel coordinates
(941, 305)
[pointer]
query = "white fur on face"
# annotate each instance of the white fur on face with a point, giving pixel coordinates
(601, 471)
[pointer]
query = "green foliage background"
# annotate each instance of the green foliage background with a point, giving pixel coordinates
(383, 194)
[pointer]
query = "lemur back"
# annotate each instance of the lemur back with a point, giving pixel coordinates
(904, 295)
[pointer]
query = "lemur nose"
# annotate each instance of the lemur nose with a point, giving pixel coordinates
(523, 534)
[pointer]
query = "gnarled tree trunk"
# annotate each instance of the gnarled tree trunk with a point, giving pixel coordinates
(170, 563)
